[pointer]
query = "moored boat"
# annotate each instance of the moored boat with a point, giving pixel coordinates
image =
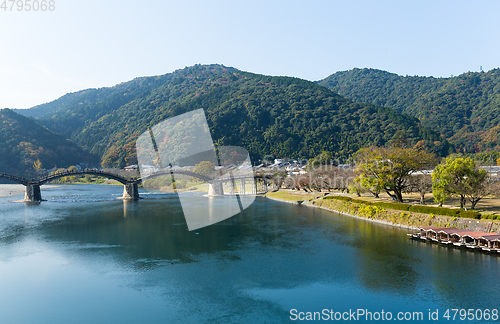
(449, 236)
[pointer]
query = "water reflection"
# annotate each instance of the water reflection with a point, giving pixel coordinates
(258, 264)
(385, 251)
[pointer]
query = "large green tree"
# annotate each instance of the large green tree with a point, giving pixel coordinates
(391, 168)
(459, 177)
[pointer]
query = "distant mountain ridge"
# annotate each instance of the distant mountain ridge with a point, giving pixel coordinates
(465, 108)
(280, 116)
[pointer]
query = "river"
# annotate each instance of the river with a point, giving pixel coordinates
(83, 256)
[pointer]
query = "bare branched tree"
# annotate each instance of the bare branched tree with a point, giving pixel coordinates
(421, 183)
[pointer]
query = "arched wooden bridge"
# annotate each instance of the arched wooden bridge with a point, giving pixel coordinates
(130, 190)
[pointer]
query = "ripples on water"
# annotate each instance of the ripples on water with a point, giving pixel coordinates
(85, 256)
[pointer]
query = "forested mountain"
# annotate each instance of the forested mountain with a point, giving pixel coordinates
(465, 108)
(281, 116)
(23, 141)
(69, 114)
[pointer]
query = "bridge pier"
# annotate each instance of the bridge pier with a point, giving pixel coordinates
(33, 193)
(242, 186)
(231, 186)
(130, 191)
(215, 189)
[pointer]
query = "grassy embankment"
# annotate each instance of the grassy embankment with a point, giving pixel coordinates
(382, 210)
(292, 196)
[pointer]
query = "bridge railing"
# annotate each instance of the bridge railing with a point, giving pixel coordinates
(66, 173)
(87, 171)
(15, 178)
(107, 174)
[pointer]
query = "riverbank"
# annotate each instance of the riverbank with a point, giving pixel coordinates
(386, 216)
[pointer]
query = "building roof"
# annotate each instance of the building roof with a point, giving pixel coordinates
(473, 234)
(432, 228)
(462, 232)
(491, 237)
(453, 230)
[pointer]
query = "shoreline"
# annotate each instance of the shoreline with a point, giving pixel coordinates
(396, 218)
(378, 221)
(309, 204)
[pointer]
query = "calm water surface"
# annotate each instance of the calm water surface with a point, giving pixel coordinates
(84, 256)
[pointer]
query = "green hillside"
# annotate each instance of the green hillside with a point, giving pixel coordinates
(69, 114)
(463, 108)
(280, 116)
(23, 141)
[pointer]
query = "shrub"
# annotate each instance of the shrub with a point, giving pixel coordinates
(470, 214)
(397, 206)
(369, 210)
(490, 216)
(366, 211)
(415, 208)
(434, 210)
(341, 198)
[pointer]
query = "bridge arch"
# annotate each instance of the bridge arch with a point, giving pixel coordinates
(108, 175)
(13, 178)
(202, 177)
(33, 193)
(182, 172)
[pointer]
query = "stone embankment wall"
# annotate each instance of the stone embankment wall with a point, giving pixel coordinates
(404, 219)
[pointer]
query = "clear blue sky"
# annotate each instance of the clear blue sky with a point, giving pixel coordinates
(97, 43)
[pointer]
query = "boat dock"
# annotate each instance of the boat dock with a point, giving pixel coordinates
(474, 240)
